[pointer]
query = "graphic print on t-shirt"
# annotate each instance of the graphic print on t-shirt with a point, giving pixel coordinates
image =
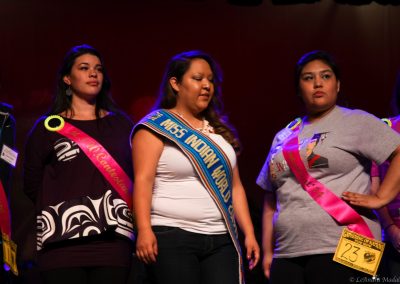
(66, 149)
(316, 161)
(277, 167)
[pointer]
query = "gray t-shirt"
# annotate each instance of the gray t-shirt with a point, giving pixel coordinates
(336, 150)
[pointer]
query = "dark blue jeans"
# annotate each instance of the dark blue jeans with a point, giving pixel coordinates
(189, 258)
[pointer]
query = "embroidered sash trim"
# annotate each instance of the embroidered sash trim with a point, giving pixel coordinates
(98, 155)
(332, 204)
(208, 159)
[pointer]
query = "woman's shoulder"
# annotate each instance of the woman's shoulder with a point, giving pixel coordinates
(38, 134)
(39, 125)
(359, 119)
(352, 112)
(355, 114)
(285, 132)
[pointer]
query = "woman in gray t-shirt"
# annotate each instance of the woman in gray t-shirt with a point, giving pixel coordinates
(336, 146)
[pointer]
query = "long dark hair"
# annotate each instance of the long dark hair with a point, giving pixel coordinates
(177, 67)
(62, 102)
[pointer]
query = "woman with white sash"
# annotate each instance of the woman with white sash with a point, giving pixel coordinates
(187, 187)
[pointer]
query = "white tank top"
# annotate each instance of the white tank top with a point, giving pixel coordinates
(179, 197)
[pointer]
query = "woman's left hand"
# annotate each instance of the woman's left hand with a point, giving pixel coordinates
(363, 200)
(252, 251)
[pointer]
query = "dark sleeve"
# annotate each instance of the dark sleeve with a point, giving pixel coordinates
(37, 154)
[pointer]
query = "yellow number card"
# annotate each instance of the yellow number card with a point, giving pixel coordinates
(359, 252)
(10, 254)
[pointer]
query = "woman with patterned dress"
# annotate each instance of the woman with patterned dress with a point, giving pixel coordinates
(84, 225)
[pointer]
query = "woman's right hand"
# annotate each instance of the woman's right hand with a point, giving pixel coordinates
(371, 201)
(146, 246)
(267, 260)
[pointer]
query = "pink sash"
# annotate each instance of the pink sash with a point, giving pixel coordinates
(333, 205)
(5, 224)
(103, 161)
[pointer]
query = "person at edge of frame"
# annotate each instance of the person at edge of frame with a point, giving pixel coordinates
(389, 215)
(7, 139)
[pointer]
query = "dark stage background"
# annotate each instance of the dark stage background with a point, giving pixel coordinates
(256, 46)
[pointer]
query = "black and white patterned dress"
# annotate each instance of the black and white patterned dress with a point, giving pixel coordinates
(81, 219)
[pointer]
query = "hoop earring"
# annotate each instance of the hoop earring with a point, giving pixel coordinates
(68, 91)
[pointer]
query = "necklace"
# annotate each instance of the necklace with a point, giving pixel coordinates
(206, 127)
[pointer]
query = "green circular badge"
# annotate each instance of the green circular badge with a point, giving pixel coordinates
(53, 119)
(387, 121)
(293, 125)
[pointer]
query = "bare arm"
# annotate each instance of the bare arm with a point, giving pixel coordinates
(243, 218)
(146, 151)
(387, 191)
(268, 239)
(392, 231)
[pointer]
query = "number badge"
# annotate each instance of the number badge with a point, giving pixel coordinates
(359, 252)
